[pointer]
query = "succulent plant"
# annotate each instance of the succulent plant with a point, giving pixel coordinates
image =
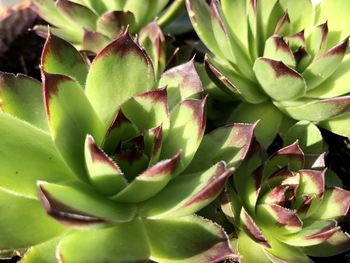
(282, 209)
(91, 25)
(280, 59)
(110, 163)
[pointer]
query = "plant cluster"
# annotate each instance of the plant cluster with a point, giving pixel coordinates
(110, 159)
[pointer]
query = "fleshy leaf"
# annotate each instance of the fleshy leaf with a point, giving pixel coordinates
(104, 174)
(252, 230)
(153, 40)
(187, 193)
(148, 110)
(124, 242)
(335, 204)
(77, 14)
(325, 65)
(94, 41)
(278, 219)
(79, 205)
(249, 250)
(314, 109)
(199, 14)
(60, 57)
(313, 233)
(21, 97)
(279, 81)
(121, 129)
(276, 48)
(149, 183)
(112, 23)
(188, 239)
(230, 144)
(71, 118)
(270, 120)
(44, 252)
(182, 82)
(317, 40)
(291, 156)
(187, 124)
(338, 243)
(27, 155)
(21, 223)
(48, 11)
(338, 124)
(308, 135)
(153, 144)
(129, 72)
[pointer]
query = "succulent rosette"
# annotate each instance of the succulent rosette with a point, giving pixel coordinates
(282, 208)
(91, 24)
(286, 60)
(98, 164)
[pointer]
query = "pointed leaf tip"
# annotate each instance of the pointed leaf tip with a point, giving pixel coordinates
(63, 213)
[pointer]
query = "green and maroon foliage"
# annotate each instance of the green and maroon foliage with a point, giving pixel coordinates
(283, 209)
(285, 60)
(91, 24)
(105, 162)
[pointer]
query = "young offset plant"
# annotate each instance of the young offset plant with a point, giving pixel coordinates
(283, 210)
(281, 58)
(105, 166)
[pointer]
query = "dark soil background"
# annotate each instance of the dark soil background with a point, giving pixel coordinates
(24, 57)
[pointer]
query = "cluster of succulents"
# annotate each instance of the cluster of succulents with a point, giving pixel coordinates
(280, 58)
(109, 157)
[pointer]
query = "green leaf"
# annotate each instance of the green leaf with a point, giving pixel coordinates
(187, 193)
(21, 223)
(79, 205)
(269, 117)
(21, 97)
(317, 40)
(188, 239)
(187, 125)
(124, 242)
(152, 39)
(281, 252)
(336, 15)
(48, 11)
(279, 81)
(104, 174)
(71, 118)
(182, 82)
(78, 15)
(199, 13)
(278, 219)
(60, 57)
(230, 144)
(121, 129)
(127, 68)
(313, 233)
(315, 109)
(308, 135)
(338, 125)
(149, 183)
(112, 23)
(325, 65)
(249, 250)
(336, 84)
(277, 49)
(336, 244)
(72, 35)
(335, 204)
(301, 13)
(27, 155)
(94, 41)
(148, 110)
(44, 252)
(233, 83)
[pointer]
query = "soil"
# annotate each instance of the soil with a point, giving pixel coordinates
(24, 57)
